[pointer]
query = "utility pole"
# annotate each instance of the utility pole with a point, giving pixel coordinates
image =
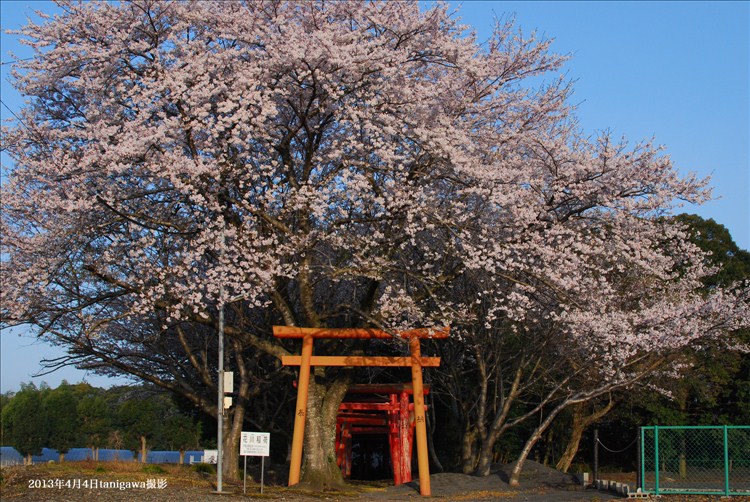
(220, 409)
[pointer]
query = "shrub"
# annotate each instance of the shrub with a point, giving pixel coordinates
(153, 469)
(202, 468)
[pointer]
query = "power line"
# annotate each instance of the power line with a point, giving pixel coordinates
(16, 116)
(3, 63)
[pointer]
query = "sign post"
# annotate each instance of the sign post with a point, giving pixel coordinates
(255, 444)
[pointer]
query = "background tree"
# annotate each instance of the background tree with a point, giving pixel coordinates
(59, 408)
(567, 369)
(704, 381)
(81, 415)
(717, 389)
(181, 433)
(94, 422)
(706, 384)
(142, 420)
(24, 424)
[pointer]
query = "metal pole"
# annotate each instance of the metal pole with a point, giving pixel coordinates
(262, 469)
(244, 477)
(656, 460)
(596, 455)
(220, 425)
(726, 462)
(639, 459)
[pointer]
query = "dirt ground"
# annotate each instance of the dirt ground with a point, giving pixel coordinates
(169, 483)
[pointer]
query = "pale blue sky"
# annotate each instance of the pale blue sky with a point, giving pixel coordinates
(674, 71)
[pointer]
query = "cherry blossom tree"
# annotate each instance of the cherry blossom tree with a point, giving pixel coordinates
(320, 164)
(604, 295)
(540, 359)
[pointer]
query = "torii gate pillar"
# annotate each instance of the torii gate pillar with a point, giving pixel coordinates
(416, 381)
(300, 412)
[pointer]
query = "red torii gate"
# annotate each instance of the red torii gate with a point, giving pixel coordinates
(391, 415)
(306, 359)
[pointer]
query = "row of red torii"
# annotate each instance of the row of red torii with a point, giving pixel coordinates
(398, 409)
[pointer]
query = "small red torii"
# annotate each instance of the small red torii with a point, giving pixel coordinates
(306, 359)
(392, 414)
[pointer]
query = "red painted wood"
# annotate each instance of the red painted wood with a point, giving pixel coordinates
(394, 440)
(375, 421)
(372, 406)
(405, 433)
(383, 388)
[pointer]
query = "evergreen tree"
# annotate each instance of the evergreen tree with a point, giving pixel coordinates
(94, 422)
(24, 425)
(61, 416)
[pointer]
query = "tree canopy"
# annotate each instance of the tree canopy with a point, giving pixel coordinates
(330, 164)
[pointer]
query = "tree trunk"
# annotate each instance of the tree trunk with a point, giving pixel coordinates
(236, 417)
(468, 451)
(319, 467)
(580, 423)
(484, 461)
(683, 446)
(182, 457)
(143, 449)
(548, 447)
(487, 437)
(61, 457)
(683, 457)
(571, 450)
(232, 433)
(515, 474)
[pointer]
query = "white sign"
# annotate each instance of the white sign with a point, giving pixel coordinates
(210, 456)
(228, 382)
(255, 444)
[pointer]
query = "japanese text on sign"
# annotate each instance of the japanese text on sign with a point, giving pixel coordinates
(255, 444)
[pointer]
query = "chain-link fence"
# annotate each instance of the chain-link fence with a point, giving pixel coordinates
(696, 460)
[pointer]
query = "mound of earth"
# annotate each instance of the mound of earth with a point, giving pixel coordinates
(536, 475)
(537, 483)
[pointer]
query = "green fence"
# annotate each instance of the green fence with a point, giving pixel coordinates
(695, 460)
